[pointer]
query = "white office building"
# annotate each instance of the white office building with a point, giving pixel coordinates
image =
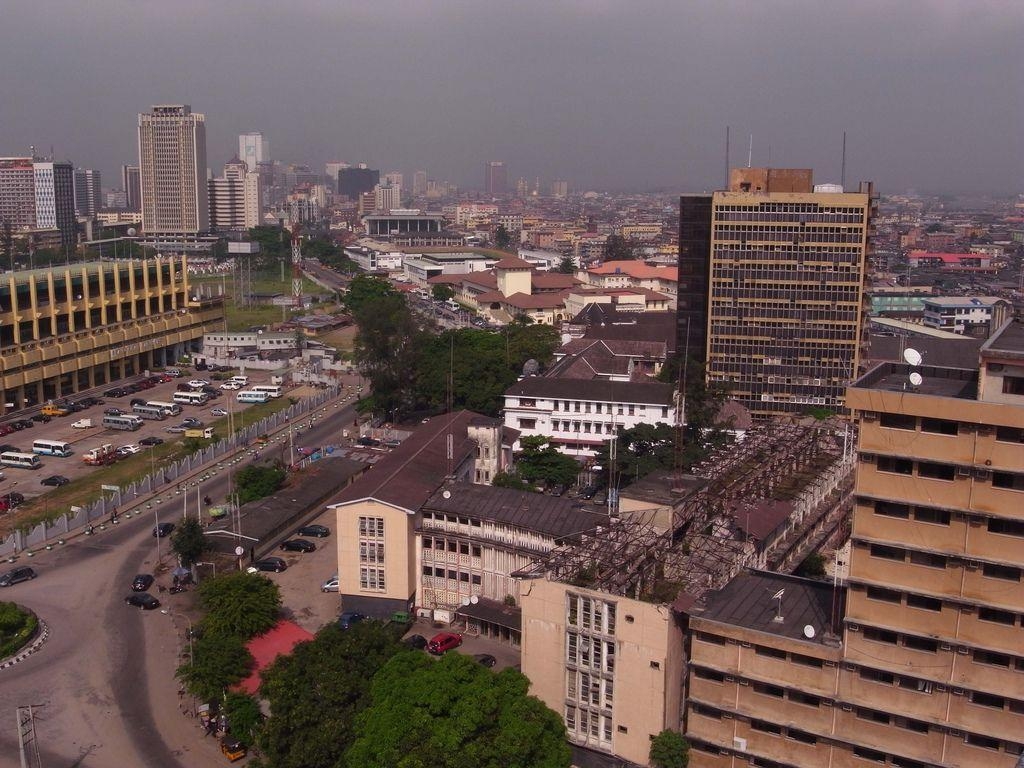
(172, 166)
(235, 198)
(55, 199)
(253, 149)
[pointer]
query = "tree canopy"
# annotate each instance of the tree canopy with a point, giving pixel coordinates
(452, 713)
(316, 692)
(542, 464)
(502, 238)
(239, 604)
(640, 451)
(669, 750)
(441, 292)
(219, 661)
(189, 543)
(618, 248)
(567, 266)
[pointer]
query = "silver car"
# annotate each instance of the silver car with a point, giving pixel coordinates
(331, 585)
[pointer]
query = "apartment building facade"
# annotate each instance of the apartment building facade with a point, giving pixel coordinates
(925, 666)
(66, 329)
(172, 171)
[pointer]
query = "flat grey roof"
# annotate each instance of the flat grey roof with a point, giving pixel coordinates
(960, 383)
(1008, 341)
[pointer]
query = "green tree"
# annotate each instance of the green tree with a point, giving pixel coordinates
(567, 266)
(669, 750)
(442, 292)
(244, 717)
(510, 480)
(618, 248)
(502, 238)
(275, 245)
(258, 481)
(541, 464)
(219, 661)
(189, 543)
(639, 451)
(316, 692)
(453, 713)
(239, 604)
(365, 292)
(702, 405)
(813, 566)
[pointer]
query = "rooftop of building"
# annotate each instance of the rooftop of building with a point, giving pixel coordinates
(637, 269)
(408, 475)
(1007, 341)
(962, 301)
(553, 516)
(958, 352)
(749, 601)
(957, 383)
(602, 390)
(913, 328)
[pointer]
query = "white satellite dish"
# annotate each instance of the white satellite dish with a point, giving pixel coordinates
(916, 379)
(474, 599)
(446, 494)
(778, 595)
(912, 356)
(809, 632)
(465, 601)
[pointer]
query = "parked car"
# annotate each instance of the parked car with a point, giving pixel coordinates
(89, 402)
(129, 450)
(317, 531)
(443, 642)
(143, 601)
(55, 481)
(419, 642)
(176, 429)
(192, 423)
(230, 385)
(17, 425)
(12, 499)
(15, 575)
(142, 582)
(367, 441)
(25, 423)
(331, 585)
(8, 448)
(298, 545)
(82, 424)
(6, 429)
(137, 401)
(151, 441)
(198, 383)
(274, 564)
(348, 618)
(113, 411)
(485, 659)
(116, 392)
(162, 530)
(218, 412)
(41, 417)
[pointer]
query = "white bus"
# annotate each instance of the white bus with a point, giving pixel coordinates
(191, 398)
(146, 411)
(169, 409)
(23, 460)
(125, 421)
(252, 396)
(52, 448)
(274, 390)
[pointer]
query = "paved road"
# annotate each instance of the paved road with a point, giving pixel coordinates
(105, 675)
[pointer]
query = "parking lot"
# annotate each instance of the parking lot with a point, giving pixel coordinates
(27, 482)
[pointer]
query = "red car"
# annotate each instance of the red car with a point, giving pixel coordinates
(444, 641)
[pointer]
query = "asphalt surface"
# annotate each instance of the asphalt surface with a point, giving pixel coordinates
(105, 676)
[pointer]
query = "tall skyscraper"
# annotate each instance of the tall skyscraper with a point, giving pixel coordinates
(352, 182)
(495, 178)
(131, 185)
(235, 198)
(784, 265)
(88, 195)
(172, 167)
(17, 192)
(54, 184)
(419, 183)
(253, 149)
(387, 197)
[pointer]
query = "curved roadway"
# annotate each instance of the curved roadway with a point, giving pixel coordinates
(106, 674)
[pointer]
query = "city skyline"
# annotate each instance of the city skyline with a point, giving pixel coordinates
(608, 96)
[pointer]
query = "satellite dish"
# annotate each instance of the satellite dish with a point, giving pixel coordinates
(809, 632)
(239, 551)
(916, 379)
(912, 356)
(474, 599)
(446, 494)
(778, 595)
(465, 601)
(131, 231)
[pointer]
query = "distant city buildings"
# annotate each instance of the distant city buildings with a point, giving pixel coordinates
(352, 182)
(17, 192)
(88, 197)
(131, 184)
(419, 183)
(235, 198)
(253, 149)
(172, 165)
(495, 178)
(54, 184)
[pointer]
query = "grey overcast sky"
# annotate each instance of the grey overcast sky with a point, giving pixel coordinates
(628, 94)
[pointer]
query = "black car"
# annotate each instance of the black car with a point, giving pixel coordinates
(419, 642)
(348, 618)
(317, 531)
(23, 424)
(41, 417)
(137, 401)
(13, 576)
(192, 423)
(12, 499)
(142, 582)
(485, 659)
(367, 441)
(298, 545)
(89, 402)
(143, 601)
(116, 392)
(8, 448)
(162, 530)
(151, 441)
(17, 425)
(55, 481)
(275, 564)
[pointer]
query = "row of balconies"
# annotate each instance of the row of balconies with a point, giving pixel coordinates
(970, 489)
(972, 446)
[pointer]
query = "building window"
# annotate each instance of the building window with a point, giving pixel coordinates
(996, 616)
(987, 700)
(527, 423)
(772, 653)
(708, 674)
(887, 553)
(371, 579)
(1006, 527)
(897, 421)
(765, 727)
(891, 509)
(807, 661)
(1005, 572)
(991, 657)
(880, 635)
(371, 526)
(927, 559)
(977, 740)
(1010, 480)
(930, 515)
(1010, 434)
(1013, 385)
(926, 603)
(920, 644)
(769, 690)
(882, 594)
(897, 466)
(936, 471)
(804, 698)
(801, 736)
(939, 426)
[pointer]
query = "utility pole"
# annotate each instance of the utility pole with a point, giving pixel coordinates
(28, 744)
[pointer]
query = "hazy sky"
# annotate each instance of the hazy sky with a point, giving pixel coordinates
(626, 94)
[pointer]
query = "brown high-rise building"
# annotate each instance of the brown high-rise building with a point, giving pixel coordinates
(771, 284)
(495, 178)
(925, 665)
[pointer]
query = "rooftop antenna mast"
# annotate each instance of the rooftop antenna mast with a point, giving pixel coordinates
(750, 151)
(726, 157)
(842, 171)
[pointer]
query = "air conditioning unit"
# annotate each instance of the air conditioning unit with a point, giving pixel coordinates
(853, 627)
(955, 733)
(817, 382)
(963, 650)
(945, 647)
(868, 458)
(940, 689)
(980, 474)
(963, 471)
(869, 416)
(745, 682)
(973, 565)
(847, 707)
(958, 692)
(745, 644)
(730, 679)
(739, 744)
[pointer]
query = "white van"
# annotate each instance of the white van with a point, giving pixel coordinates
(243, 380)
(175, 372)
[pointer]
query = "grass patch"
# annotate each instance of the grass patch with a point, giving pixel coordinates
(85, 490)
(17, 626)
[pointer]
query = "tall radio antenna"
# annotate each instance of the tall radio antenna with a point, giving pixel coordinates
(842, 172)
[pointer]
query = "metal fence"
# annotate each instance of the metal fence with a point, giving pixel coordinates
(99, 511)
